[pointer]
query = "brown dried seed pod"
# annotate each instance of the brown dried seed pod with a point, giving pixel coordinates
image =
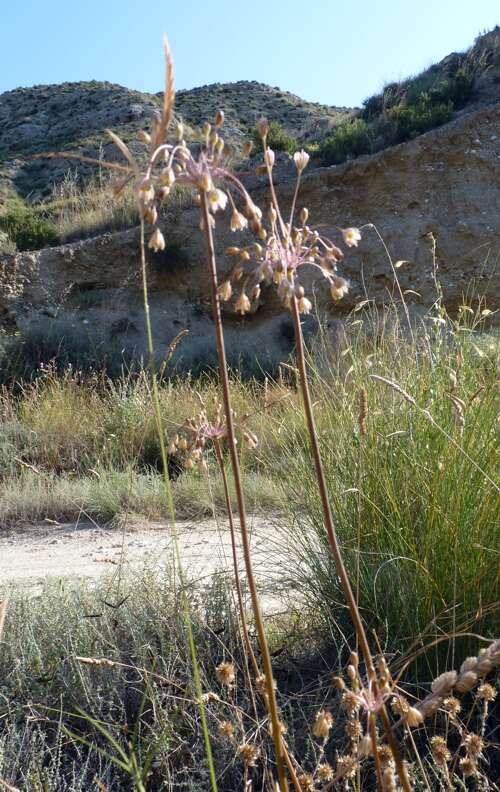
(322, 724)
(226, 673)
(248, 754)
(440, 750)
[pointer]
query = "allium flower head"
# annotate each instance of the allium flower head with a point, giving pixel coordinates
(285, 247)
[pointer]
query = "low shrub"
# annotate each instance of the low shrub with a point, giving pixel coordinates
(277, 139)
(350, 139)
(27, 227)
(405, 122)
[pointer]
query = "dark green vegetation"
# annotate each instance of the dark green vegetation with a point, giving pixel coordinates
(277, 139)
(404, 110)
(27, 227)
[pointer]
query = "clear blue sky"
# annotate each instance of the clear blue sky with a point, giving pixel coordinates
(332, 51)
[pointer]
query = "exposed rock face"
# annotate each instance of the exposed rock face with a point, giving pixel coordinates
(445, 183)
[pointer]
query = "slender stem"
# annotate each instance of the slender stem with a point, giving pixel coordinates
(376, 758)
(246, 637)
(171, 510)
(400, 765)
(224, 379)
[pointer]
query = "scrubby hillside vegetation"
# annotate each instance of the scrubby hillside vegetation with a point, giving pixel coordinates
(44, 202)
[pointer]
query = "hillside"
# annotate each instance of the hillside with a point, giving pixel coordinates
(82, 297)
(74, 116)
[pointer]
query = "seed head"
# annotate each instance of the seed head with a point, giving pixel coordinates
(486, 692)
(226, 729)
(353, 729)
(350, 702)
(306, 782)
(226, 674)
(248, 754)
(325, 772)
(440, 750)
(468, 766)
(473, 745)
(363, 411)
(452, 705)
(346, 766)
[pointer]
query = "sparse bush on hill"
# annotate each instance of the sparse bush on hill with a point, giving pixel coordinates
(277, 139)
(350, 139)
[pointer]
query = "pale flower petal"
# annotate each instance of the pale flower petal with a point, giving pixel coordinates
(351, 236)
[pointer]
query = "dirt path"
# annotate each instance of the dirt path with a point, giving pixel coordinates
(87, 550)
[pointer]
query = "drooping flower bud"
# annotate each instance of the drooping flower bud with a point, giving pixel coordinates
(243, 304)
(263, 127)
(247, 149)
(301, 158)
(144, 136)
(219, 118)
(238, 221)
(339, 287)
(269, 157)
(157, 241)
(225, 291)
(304, 215)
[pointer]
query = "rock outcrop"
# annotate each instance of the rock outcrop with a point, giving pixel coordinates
(441, 188)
